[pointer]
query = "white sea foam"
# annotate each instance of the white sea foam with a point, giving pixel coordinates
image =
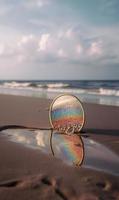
(19, 85)
(15, 85)
(109, 92)
(100, 91)
(57, 85)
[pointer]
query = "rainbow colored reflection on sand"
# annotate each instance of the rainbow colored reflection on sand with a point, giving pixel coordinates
(68, 148)
(67, 111)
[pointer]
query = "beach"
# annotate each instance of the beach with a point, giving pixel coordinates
(27, 173)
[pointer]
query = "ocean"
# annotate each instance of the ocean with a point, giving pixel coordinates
(99, 92)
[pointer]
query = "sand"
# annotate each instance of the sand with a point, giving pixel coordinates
(29, 174)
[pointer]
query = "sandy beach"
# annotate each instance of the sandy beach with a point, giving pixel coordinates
(27, 173)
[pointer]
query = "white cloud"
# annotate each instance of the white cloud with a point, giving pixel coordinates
(69, 33)
(26, 48)
(25, 39)
(40, 32)
(43, 43)
(66, 33)
(2, 48)
(62, 53)
(79, 49)
(95, 48)
(49, 47)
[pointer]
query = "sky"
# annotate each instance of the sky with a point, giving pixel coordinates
(59, 39)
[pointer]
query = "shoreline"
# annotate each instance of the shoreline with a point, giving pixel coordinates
(85, 95)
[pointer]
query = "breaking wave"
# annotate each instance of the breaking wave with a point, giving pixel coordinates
(109, 92)
(59, 87)
(27, 85)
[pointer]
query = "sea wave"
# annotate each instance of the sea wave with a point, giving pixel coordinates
(59, 87)
(20, 85)
(100, 91)
(109, 92)
(15, 85)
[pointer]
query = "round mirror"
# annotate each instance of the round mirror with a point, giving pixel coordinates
(66, 114)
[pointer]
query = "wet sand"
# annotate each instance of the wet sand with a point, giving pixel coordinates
(29, 174)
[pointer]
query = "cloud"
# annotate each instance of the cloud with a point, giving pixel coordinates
(27, 43)
(69, 34)
(79, 49)
(43, 43)
(62, 53)
(71, 48)
(51, 35)
(95, 48)
(2, 48)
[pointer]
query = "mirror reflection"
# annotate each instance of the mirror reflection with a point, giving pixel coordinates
(68, 148)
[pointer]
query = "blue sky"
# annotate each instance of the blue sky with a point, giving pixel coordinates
(59, 39)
